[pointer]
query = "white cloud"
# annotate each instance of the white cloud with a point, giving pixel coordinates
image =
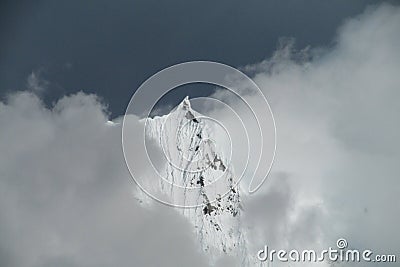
(338, 149)
(66, 196)
(36, 83)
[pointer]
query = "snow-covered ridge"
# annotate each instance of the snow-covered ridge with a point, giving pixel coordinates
(195, 162)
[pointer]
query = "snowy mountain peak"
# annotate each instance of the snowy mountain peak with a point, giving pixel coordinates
(185, 104)
(198, 175)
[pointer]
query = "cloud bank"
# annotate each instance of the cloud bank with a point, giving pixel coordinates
(336, 172)
(66, 197)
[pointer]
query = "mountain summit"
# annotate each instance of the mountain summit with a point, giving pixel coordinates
(198, 175)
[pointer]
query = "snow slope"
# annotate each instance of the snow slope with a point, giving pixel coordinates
(198, 173)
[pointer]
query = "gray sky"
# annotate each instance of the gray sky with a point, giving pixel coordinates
(111, 47)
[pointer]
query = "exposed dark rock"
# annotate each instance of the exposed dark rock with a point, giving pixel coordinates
(201, 181)
(189, 115)
(208, 209)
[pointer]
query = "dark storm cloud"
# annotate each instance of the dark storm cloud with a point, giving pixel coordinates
(111, 47)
